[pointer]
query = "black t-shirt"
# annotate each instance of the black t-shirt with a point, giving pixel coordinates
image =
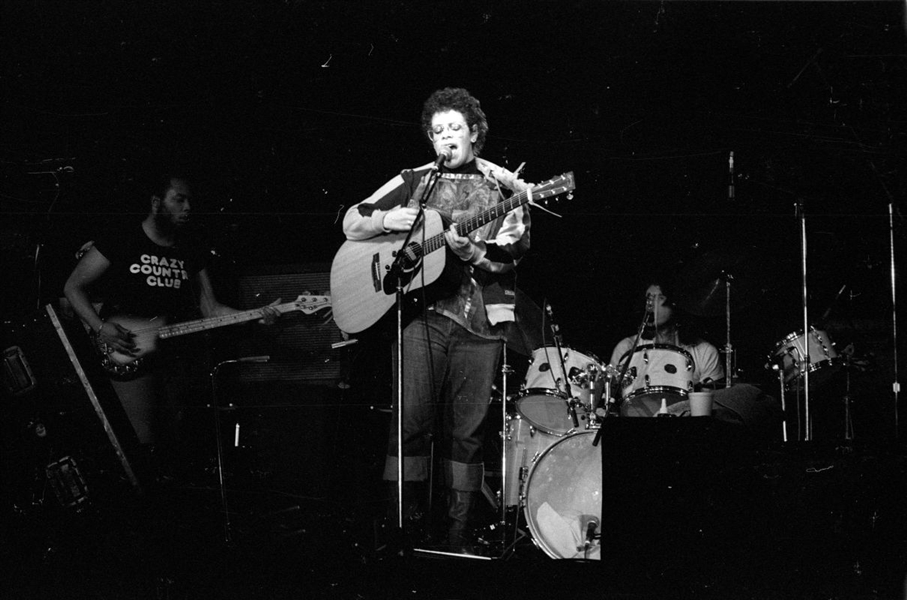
(148, 280)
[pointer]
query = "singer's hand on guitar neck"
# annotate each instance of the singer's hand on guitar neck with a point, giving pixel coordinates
(462, 246)
(400, 218)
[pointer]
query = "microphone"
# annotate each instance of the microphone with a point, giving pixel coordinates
(591, 527)
(588, 526)
(554, 327)
(443, 157)
(730, 187)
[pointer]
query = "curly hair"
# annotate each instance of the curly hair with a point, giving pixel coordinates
(462, 101)
(689, 326)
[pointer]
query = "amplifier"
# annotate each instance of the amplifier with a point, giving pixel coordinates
(299, 344)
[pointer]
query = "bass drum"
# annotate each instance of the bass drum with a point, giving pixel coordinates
(563, 498)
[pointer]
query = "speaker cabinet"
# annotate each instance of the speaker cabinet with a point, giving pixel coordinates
(299, 345)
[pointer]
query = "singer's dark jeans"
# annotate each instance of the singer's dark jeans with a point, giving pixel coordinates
(448, 374)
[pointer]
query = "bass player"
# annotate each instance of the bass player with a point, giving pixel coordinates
(154, 272)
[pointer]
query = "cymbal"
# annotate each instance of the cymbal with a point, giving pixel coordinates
(705, 281)
(525, 334)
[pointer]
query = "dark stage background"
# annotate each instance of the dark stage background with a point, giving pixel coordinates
(290, 111)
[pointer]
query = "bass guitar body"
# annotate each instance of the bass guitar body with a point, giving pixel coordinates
(147, 343)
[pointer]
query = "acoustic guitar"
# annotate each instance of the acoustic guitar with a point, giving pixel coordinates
(363, 286)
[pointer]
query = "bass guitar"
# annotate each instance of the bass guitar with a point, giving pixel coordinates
(362, 284)
(147, 333)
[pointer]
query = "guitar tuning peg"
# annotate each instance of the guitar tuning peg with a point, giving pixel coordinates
(569, 195)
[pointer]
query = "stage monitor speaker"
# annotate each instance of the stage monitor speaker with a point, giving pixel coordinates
(299, 345)
(676, 489)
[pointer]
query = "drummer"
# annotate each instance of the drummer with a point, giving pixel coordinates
(664, 326)
(667, 324)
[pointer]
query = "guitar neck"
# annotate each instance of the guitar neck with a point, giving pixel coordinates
(465, 226)
(177, 329)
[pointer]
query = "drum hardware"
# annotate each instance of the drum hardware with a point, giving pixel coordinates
(848, 423)
(777, 368)
(541, 400)
(616, 405)
(804, 291)
(720, 284)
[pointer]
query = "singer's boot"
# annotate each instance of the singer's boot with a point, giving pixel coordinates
(460, 505)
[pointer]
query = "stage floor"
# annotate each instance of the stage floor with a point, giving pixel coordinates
(798, 520)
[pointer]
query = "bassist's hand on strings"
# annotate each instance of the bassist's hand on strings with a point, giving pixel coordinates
(400, 218)
(113, 337)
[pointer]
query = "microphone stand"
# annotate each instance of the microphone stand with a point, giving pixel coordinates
(623, 372)
(397, 271)
(808, 426)
(228, 528)
(571, 405)
(896, 385)
(728, 348)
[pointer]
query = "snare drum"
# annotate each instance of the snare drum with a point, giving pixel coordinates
(563, 498)
(656, 372)
(790, 354)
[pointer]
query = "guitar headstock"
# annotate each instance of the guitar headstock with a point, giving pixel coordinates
(309, 304)
(562, 184)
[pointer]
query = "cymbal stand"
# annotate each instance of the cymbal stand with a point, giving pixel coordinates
(777, 368)
(505, 370)
(808, 426)
(508, 540)
(896, 384)
(728, 348)
(848, 422)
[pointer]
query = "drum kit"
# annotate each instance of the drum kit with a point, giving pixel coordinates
(552, 465)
